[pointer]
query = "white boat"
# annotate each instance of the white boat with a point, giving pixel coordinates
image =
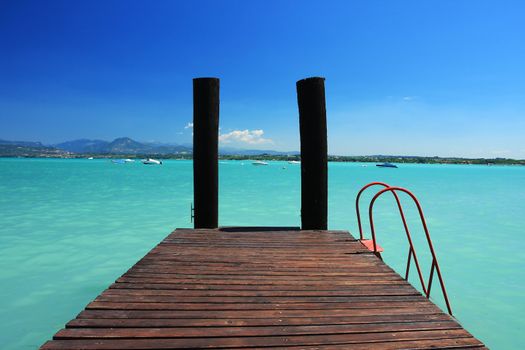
(129, 160)
(151, 161)
(294, 162)
(259, 162)
(90, 158)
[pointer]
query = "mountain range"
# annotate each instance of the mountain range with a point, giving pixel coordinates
(122, 145)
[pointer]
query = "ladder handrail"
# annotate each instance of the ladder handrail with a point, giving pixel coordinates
(435, 264)
(412, 250)
(357, 203)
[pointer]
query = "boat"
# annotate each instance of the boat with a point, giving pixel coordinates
(90, 158)
(129, 160)
(151, 161)
(117, 161)
(259, 162)
(294, 162)
(386, 165)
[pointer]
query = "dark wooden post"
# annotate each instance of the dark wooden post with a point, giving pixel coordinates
(314, 166)
(206, 152)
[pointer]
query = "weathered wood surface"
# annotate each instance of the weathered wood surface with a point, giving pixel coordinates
(292, 289)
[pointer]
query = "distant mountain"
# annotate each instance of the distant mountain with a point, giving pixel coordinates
(83, 146)
(125, 145)
(228, 151)
(121, 145)
(173, 149)
(29, 149)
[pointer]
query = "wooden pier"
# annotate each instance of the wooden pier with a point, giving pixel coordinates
(261, 288)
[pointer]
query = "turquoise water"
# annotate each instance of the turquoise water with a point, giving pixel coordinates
(69, 228)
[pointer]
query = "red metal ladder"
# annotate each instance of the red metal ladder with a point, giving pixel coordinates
(372, 245)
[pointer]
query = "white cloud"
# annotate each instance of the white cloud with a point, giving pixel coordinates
(409, 98)
(189, 125)
(252, 137)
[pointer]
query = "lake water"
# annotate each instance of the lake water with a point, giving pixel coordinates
(69, 228)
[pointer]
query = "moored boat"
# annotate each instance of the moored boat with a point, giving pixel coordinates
(259, 162)
(151, 161)
(386, 165)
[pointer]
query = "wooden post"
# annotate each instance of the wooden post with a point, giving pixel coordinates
(206, 152)
(314, 166)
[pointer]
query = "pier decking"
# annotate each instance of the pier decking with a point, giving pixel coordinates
(255, 288)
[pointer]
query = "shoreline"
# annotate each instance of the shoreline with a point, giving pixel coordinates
(266, 157)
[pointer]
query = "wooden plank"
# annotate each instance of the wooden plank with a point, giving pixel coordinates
(320, 288)
(199, 332)
(121, 296)
(456, 343)
(232, 292)
(132, 313)
(129, 305)
(350, 281)
(256, 341)
(250, 322)
(267, 277)
(288, 289)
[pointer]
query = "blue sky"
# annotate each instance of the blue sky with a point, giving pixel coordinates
(429, 78)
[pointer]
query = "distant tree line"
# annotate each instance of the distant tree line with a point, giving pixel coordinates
(49, 152)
